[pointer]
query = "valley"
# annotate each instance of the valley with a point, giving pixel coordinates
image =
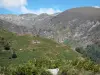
(30, 43)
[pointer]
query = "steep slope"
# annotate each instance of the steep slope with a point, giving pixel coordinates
(28, 48)
(21, 20)
(16, 28)
(78, 24)
(27, 23)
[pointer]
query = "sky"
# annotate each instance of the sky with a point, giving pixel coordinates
(43, 6)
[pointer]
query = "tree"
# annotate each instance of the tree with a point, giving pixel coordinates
(79, 49)
(7, 47)
(14, 55)
(4, 44)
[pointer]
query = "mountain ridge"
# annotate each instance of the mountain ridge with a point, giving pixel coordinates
(80, 24)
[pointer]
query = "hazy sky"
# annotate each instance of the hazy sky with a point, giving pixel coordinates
(42, 6)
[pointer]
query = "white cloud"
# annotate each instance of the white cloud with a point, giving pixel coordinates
(25, 10)
(96, 6)
(9, 4)
(20, 6)
(41, 10)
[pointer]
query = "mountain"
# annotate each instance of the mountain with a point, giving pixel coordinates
(27, 23)
(77, 28)
(78, 25)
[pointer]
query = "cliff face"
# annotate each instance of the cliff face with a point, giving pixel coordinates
(78, 24)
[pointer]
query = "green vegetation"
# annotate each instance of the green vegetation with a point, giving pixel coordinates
(26, 47)
(43, 54)
(91, 51)
(79, 66)
(72, 43)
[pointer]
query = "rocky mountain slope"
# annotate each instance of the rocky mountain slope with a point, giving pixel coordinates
(25, 23)
(81, 25)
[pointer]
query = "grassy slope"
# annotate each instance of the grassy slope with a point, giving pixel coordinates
(45, 49)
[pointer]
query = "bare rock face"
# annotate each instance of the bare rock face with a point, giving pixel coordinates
(81, 25)
(26, 23)
(78, 24)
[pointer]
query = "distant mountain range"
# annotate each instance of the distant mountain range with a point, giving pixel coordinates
(81, 25)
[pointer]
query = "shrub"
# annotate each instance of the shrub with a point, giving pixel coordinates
(93, 52)
(79, 49)
(26, 69)
(64, 72)
(4, 43)
(44, 72)
(69, 71)
(7, 47)
(14, 55)
(23, 69)
(39, 67)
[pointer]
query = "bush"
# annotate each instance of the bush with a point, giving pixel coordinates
(4, 43)
(7, 47)
(26, 69)
(93, 52)
(44, 72)
(79, 49)
(69, 71)
(14, 55)
(39, 67)
(63, 72)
